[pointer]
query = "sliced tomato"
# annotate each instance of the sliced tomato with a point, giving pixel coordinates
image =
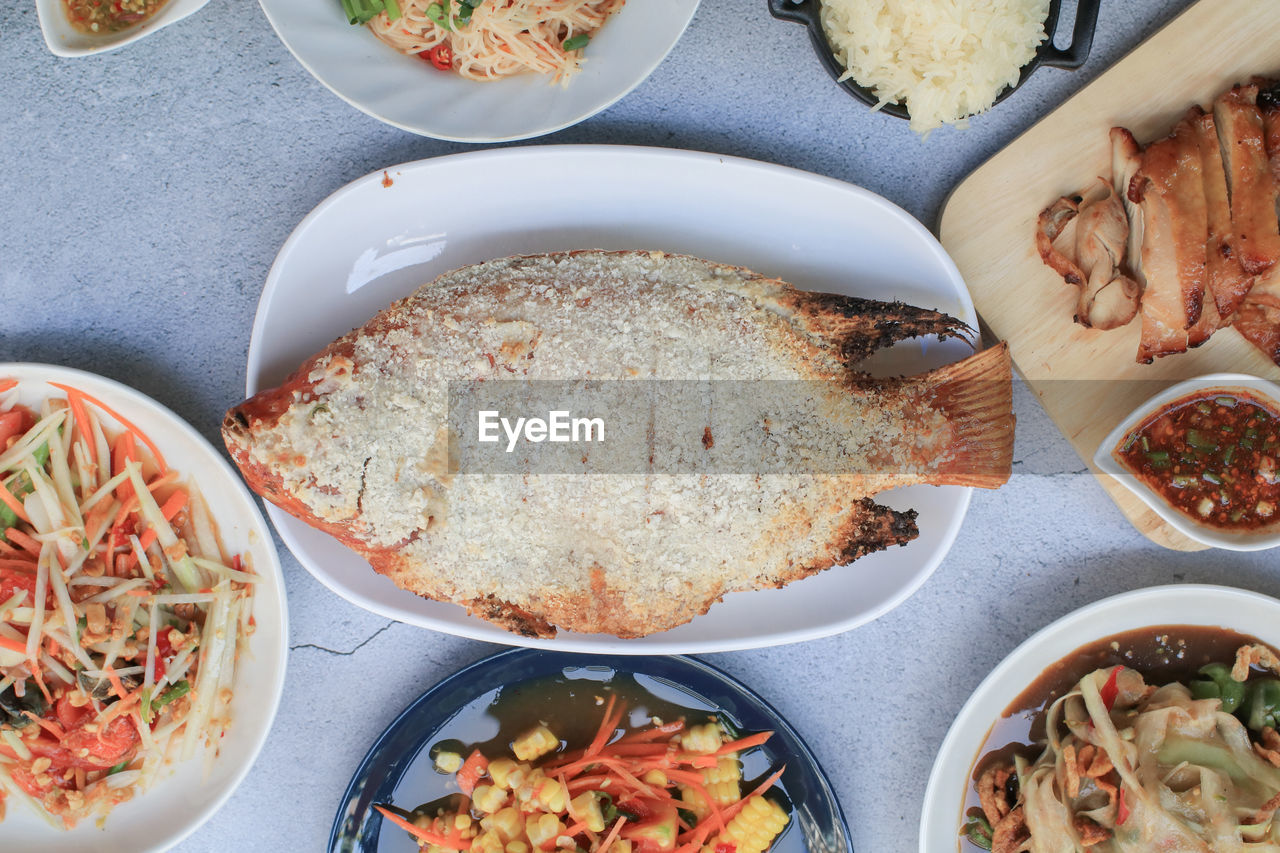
(27, 781)
(14, 423)
(69, 716)
(105, 748)
(656, 833)
(12, 580)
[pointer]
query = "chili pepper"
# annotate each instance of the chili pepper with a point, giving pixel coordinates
(1110, 690)
(978, 831)
(1122, 809)
(1217, 683)
(1262, 706)
(441, 56)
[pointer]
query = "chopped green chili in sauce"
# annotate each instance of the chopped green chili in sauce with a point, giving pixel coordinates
(109, 16)
(1212, 456)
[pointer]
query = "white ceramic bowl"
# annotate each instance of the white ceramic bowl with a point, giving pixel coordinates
(408, 93)
(1185, 604)
(185, 798)
(1104, 458)
(65, 40)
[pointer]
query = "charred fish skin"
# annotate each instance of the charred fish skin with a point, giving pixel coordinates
(352, 443)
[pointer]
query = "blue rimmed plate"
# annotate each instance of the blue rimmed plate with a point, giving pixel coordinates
(398, 768)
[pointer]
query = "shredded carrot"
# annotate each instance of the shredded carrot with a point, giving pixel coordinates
(22, 540)
(155, 451)
(169, 509)
(13, 504)
(613, 835)
(25, 566)
(123, 452)
(38, 676)
(82, 422)
(116, 685)
(13, 645)
(607, 725)
(115, 709)
(48, 725)
(743, 743)
(422, 834)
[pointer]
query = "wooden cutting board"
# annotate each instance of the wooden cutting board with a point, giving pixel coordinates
(1087, 380)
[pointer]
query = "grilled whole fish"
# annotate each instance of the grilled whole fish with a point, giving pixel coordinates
(358, 441)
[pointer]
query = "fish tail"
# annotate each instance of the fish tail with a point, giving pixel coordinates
(976, 395)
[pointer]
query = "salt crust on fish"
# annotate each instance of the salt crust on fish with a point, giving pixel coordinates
(356, 444)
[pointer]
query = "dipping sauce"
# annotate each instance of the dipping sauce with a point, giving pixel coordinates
(1212, 456)
(109, 16)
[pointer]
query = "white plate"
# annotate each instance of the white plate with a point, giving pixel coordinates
(1184, 604)
(408, 93)
(181, 801)
(65, 40)
(370, 243)
(1106, 462)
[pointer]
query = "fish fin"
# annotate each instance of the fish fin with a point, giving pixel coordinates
(976, 395)
(859, 327)
(872, 527)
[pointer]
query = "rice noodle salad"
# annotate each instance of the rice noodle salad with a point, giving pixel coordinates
(121, 619)
(1129, 766)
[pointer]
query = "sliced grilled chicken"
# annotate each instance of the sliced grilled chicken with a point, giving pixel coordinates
(1228, 281)
(1108, 297)
(1169, 187)
(1250, 185)
(1126, 159)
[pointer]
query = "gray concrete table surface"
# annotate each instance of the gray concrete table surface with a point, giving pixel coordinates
(144, 194)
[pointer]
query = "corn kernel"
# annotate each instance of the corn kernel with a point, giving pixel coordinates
(754, 828)
(487, 842)
(553, 796)
(702, 739)
(448, 762)
(586, 808)
(694, 802)
(542, 829)
(507, 823)
(535, 743)
(488, 798)
(656, 778)
(499, 770)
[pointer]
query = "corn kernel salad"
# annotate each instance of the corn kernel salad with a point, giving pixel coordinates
(120, 618)
(663, 787)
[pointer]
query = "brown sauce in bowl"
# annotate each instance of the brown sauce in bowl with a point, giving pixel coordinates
(101, 17)
(1162, 653)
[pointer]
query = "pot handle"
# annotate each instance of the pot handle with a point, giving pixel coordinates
(797, 11)
(1075, 54)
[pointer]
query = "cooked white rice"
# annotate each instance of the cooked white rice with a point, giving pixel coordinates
(944, 59)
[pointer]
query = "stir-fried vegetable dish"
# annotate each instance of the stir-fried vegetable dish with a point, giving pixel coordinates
(120, 617)
(1131, 766)
(666, 786)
